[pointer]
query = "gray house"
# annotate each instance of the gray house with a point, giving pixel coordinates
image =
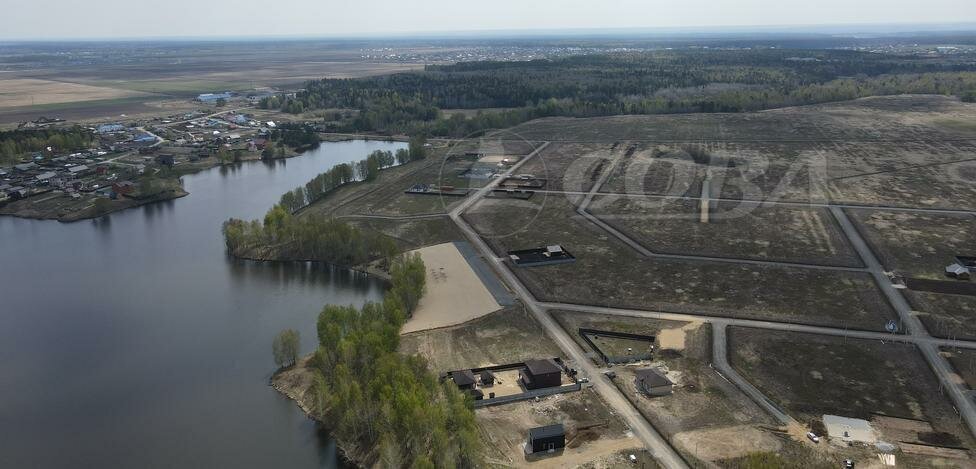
(957, 271)
(652, 382)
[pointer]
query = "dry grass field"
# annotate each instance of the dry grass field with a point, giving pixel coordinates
(811, 375)
(27, 92)
(507, 336)
(739, 230)
(609, 273)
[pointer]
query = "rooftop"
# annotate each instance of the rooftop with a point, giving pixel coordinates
(542, 367)
(652, 378)
(463, 377)
(547, 431)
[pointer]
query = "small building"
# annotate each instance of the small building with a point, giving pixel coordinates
(25, 167)
(464, 379)
(43, 177)
(109, 128)
(547, 439)
(143, 138)
(549, 255)
(78, 170)
(539, 374)
(17, 192)
(957, 271)
(652, 382)
(476, 394)
(210, 98)
(487, 378)
(124, 187)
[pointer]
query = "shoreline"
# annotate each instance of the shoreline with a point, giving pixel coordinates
(80, 215)
(294, 384)
(118, 206)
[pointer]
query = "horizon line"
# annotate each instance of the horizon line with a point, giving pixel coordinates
(818, 29)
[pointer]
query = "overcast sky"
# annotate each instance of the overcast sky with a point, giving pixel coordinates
(50, 19)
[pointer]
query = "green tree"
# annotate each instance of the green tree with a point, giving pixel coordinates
(418, 150)
(285, 347)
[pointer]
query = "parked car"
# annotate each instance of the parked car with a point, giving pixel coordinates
(813, 437)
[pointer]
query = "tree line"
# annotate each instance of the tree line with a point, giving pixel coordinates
(380, 399)
(281, 235)
(16, 143)
(367, 169)
(295, 135)
(621, 83)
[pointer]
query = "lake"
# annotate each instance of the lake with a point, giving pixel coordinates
(135, 341)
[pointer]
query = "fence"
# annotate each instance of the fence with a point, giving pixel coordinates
(528, 395)
(585, 333)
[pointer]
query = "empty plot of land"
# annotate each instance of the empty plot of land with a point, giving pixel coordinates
(811, 375)
(572, 166)
(411, 234)
(917, 244)
(455, 294)
(951, 316)
(896, 151)
(735, 230)
(964, 362)
(660, 169)
(714, 444)
(27, 92)
(511, 335)
(609, 273)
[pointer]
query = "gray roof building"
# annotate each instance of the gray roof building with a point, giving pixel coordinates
(652, 382)
(957, 271)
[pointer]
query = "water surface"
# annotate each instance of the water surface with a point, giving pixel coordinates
(134, 341)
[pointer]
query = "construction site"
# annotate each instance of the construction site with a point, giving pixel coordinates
(713, 299)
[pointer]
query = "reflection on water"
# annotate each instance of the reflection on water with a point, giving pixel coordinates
(302, 272)
(134, 341)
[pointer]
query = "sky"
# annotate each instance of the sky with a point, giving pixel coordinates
(57, 19)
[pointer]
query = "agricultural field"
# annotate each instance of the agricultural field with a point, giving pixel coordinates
(156, 73)
(18, 92)
(812, 375)
(609, 273)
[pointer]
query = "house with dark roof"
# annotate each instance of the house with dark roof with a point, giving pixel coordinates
(487, 378)
(547, 439)
(539, 374)
(464, 379)
(652, 382)
(549, 255)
